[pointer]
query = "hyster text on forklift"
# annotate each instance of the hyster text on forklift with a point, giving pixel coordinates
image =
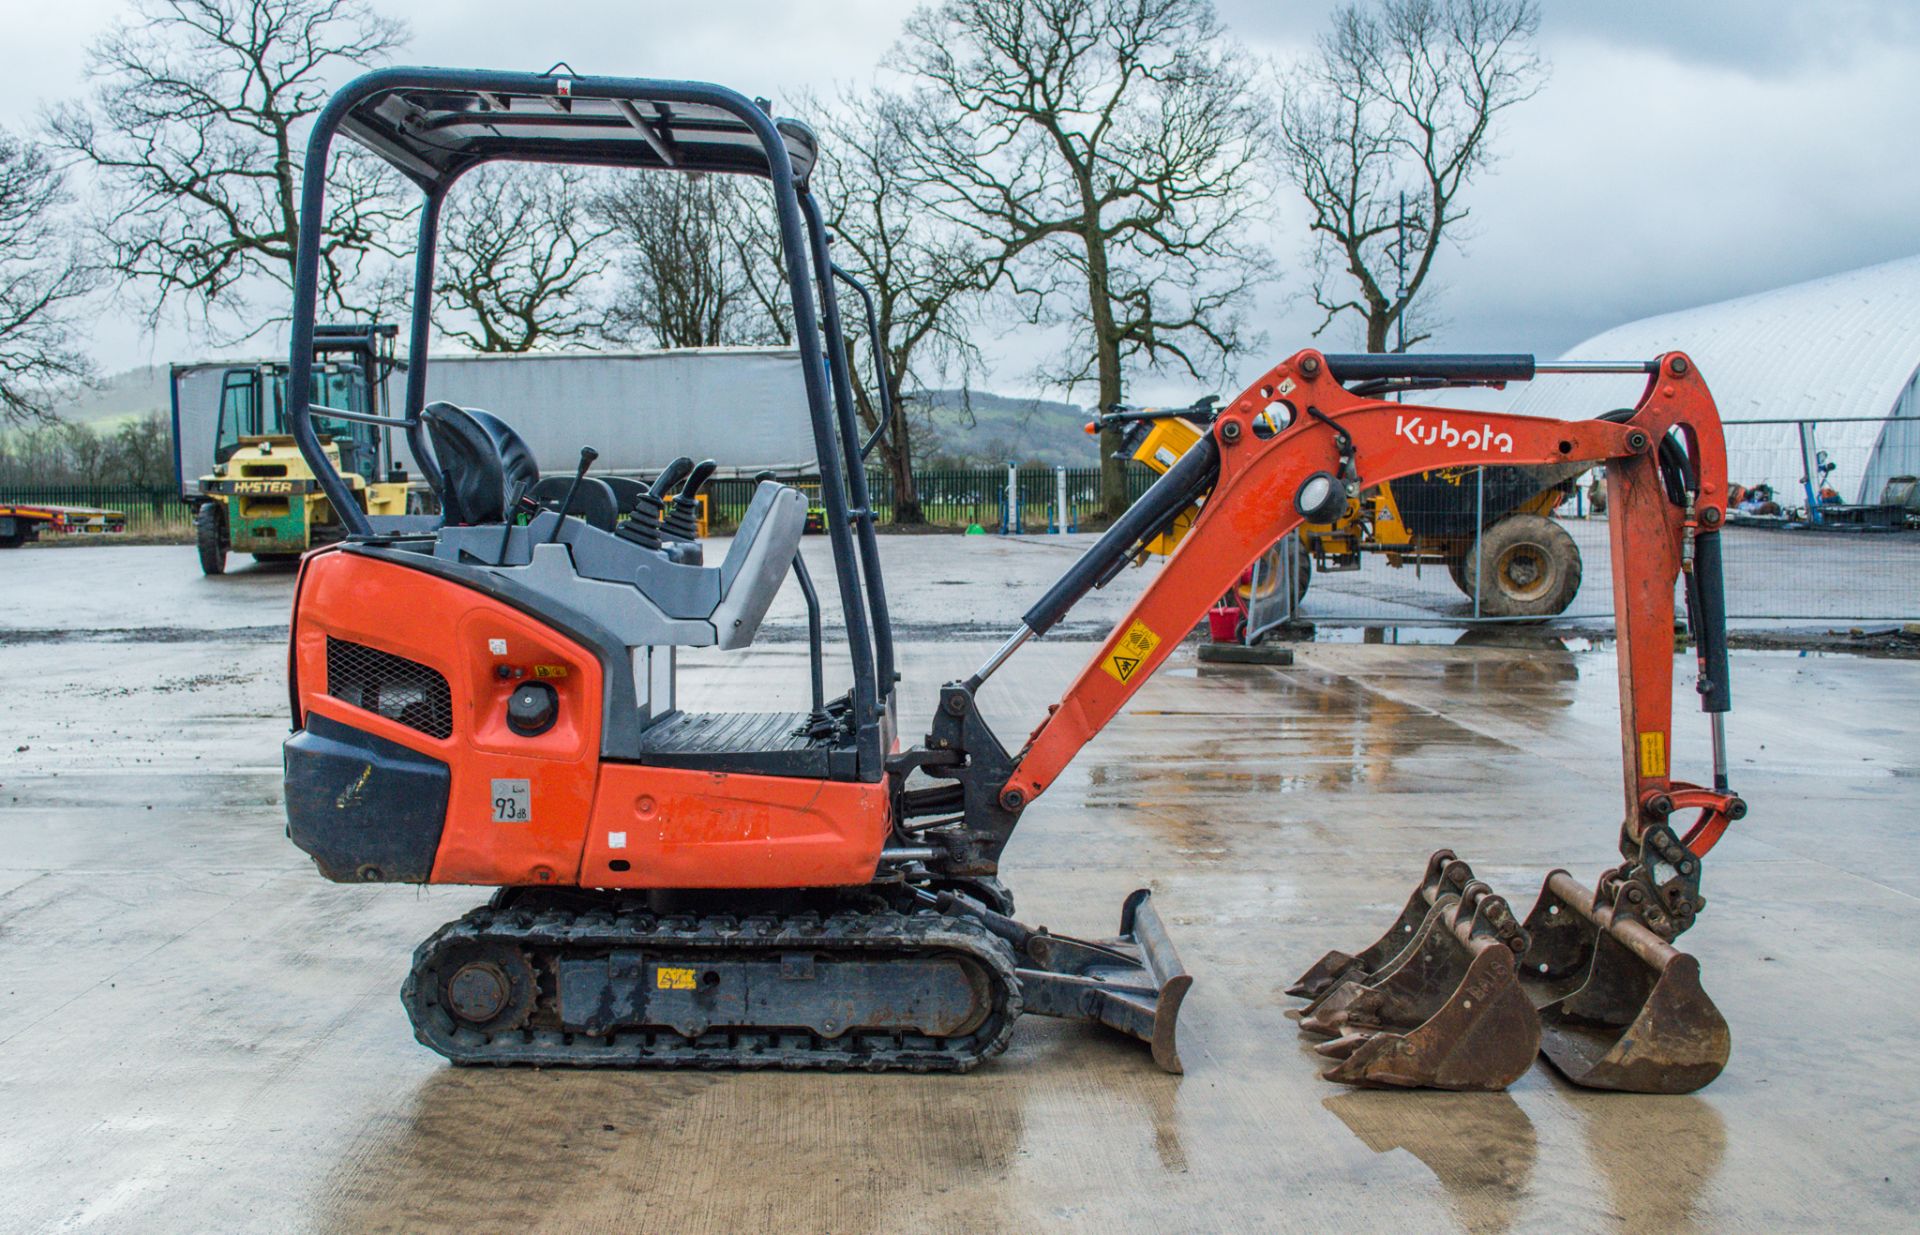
(488, 697)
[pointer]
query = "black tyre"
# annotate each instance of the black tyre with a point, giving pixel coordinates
(210, 535)
(1272, 571)
(1457, 571)
(276, 559)
(1526, 566)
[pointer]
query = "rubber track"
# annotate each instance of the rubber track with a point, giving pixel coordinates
(548, 935)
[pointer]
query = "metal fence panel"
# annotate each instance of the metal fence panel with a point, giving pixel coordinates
(149, 510)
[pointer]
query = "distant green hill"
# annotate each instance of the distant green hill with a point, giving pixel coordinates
(126, 395)
(977, 428)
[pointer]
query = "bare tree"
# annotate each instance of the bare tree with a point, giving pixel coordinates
(519, 258)
(194, 134)
(1383, 128)
(924, 275)
(40, 276)
(690, 262)
(1108, 153)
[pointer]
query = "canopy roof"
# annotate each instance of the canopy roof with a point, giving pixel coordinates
(435, 124)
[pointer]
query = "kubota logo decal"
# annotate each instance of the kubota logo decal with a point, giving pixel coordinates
(1437, 432)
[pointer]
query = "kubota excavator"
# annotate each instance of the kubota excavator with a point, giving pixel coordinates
(488, 697)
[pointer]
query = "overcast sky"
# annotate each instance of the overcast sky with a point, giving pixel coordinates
(1683, 151)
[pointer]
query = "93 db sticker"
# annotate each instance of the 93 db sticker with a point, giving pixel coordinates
(512, 801)
(1124, 658)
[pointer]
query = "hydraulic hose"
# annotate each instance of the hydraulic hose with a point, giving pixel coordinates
(1183, 484)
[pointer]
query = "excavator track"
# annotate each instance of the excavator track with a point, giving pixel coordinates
(612, 986)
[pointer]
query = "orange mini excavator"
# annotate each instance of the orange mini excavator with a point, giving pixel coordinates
(487, 696)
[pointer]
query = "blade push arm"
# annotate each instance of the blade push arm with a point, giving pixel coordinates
(1657, 523)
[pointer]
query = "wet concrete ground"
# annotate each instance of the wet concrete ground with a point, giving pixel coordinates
(199, 1034)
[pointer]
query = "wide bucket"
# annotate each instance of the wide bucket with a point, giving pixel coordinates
(1620, 1007)
(1447, 1012)
(1445, 875)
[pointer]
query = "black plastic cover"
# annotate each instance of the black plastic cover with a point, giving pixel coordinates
(367, 809)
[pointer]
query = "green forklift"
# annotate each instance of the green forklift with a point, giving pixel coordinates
(262, 497)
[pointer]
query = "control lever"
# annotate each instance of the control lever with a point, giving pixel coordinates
(587, 455)
(643, 525)
(683, 520)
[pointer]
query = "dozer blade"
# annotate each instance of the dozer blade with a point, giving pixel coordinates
(1620, 1007)
(1445, 874)
(1447, 1013)
(1134, 983)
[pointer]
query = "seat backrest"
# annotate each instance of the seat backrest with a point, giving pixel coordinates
(484, 465)
(759, 560)
(520, 468)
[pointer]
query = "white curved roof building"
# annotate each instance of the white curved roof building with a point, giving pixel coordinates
(1843, 351)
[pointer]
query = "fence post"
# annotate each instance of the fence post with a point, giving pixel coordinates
(1060, 500)
(1010, 522)
(1479, 530)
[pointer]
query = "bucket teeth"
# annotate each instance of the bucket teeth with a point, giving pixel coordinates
(1620, 1007)
(1446, 1011)
(1445, 874)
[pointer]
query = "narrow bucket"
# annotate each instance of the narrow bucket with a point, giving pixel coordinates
(1447, 1012)
(1446, 874)
(1620, 1007)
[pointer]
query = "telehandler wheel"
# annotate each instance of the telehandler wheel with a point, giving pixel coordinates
(210, 534)
(1526, 565)
(1272, 568)
(1457, 571)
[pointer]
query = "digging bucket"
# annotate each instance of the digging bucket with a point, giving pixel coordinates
(1447, 1012)
(1620, 1007)
(1446, 874)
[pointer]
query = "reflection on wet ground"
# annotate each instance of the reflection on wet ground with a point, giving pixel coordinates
(1480, 1146)
(525, 1151)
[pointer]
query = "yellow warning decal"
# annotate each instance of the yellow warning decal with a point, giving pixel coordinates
(1124, 658)
(670, 979)
(1653, 753)
(549, 671)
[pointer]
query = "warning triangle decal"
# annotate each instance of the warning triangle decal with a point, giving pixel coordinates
(1125, 665)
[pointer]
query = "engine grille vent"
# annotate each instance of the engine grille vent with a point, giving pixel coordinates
(392, 686)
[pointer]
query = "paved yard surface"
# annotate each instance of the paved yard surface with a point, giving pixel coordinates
(199, 1034)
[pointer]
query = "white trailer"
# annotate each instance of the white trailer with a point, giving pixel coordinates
(745, 407)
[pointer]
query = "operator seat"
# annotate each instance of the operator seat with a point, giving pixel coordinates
(485, 467)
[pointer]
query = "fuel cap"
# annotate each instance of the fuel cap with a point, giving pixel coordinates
(532, 709)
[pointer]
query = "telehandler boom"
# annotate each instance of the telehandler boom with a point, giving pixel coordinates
(488, 697)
